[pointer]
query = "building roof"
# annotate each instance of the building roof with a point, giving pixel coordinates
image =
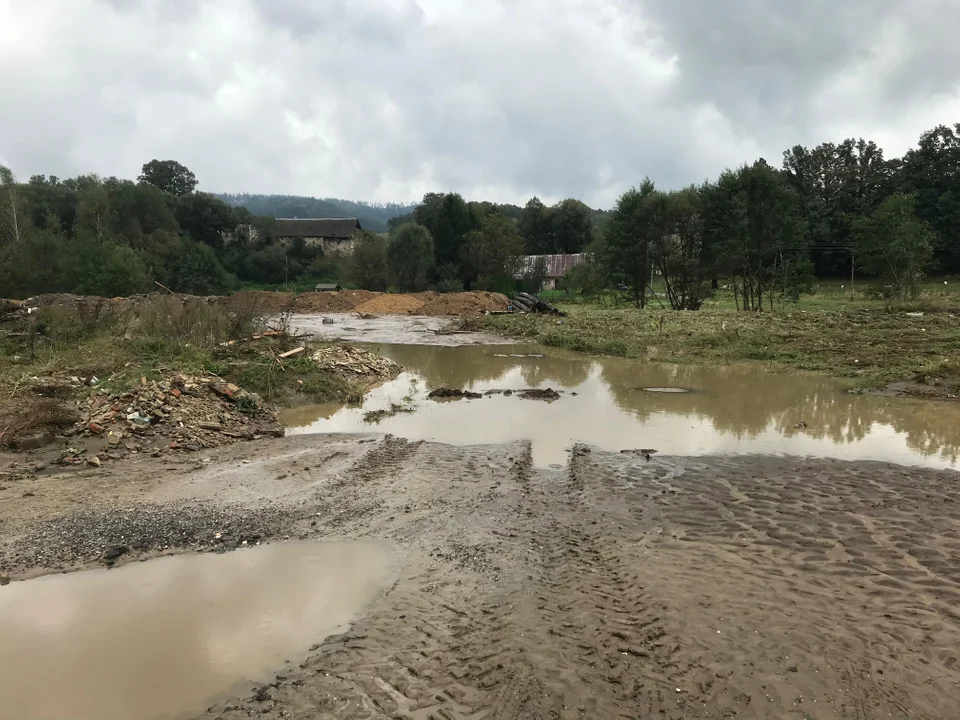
(332, 228)
(321, 287)
(557, 265)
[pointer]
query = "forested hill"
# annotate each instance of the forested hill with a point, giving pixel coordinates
(373, 217)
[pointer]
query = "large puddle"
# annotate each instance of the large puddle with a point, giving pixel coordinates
(406, 329)
(618, 404)
(164, 638)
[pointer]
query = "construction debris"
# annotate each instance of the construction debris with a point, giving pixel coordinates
(352, 362)
(529, 304)
(291, 353)
(189, 413)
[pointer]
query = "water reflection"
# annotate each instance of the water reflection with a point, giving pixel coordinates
(736, 408)
(163, 638)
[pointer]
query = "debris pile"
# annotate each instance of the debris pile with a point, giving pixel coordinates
(352, 362)
(529, 304)
(188, 413)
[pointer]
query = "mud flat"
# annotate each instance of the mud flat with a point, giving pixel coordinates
(613, 586)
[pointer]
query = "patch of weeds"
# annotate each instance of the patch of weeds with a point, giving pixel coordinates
(374, 417)
(298, 380)
(216, 368)
(247, 405)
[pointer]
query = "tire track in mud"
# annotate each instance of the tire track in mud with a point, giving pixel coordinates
(562, 628)
(572, 633)
(578, 593)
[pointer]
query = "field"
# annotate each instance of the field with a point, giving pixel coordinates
(870, 343)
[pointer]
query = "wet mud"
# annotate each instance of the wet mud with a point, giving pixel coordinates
(612, 586)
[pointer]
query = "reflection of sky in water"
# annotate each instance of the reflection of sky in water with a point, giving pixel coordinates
(731, 409)
(165, 637)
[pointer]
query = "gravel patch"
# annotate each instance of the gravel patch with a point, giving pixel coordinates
(106, 535)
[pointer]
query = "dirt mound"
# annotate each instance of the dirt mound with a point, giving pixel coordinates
(338, 301)
(392, 305)
(341, 301)
(425, 303)
(465, 303)
(265, 301)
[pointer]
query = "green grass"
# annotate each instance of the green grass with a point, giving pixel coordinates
(869, 346)
(936, 294)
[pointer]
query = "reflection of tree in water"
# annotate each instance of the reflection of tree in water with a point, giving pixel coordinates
(568, 372)
(742, 400)
(931, 427)
(460, 366)
(746, 400)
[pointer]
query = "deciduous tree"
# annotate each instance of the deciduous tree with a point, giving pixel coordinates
(894, 244)
(366, 267)
(491, 253)
(170, 176)
(410, 258)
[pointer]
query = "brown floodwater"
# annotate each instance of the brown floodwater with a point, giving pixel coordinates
(165, 638)
(619, 404)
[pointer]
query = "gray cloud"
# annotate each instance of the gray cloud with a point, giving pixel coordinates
(387, 99)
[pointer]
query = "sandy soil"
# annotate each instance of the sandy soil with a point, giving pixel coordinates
(614, 587)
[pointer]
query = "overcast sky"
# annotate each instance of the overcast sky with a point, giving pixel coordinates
(384, 100)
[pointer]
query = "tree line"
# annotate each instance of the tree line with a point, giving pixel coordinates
(766, 232)
(91, 235)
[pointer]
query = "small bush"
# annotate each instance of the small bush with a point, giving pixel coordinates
(34, 415)
(449, 285)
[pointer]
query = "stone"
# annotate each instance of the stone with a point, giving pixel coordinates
(93, 460)
(115, 552)
(34, 441)
(95, 428)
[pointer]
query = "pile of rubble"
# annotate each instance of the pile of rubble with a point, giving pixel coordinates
(182, 412)
(351, 362)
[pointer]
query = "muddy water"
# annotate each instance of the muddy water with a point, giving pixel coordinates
(408, 329)
(163, 639)
(617, 404)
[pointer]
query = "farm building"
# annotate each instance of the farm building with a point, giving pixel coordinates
(335, 235)
(557, 266)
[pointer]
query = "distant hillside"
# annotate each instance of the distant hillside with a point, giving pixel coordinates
(372, 217)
